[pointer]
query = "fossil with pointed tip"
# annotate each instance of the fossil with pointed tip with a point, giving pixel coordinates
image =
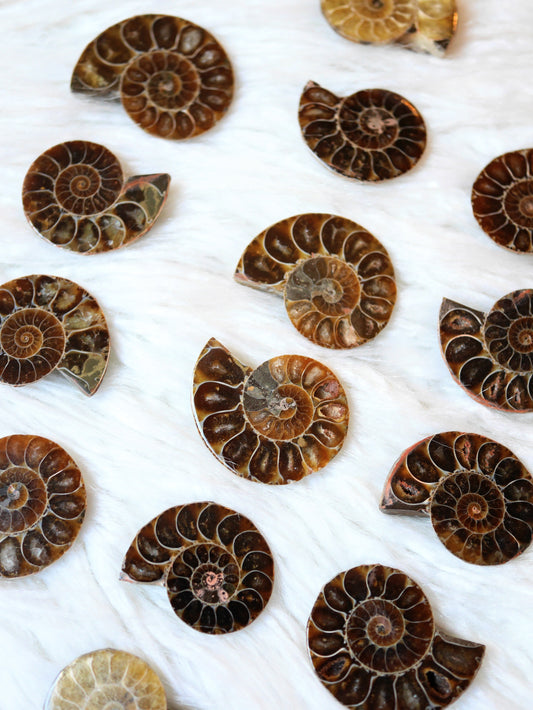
(374, 644)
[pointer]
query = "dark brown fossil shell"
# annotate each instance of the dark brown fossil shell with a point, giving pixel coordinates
(337, 278)
(491, 355)
(47, 323)
(374, 645)
(275, 424)
(42, 504)
(372, 135)
(174, 79)
(75, 196)
(477, 493)
(215, 564)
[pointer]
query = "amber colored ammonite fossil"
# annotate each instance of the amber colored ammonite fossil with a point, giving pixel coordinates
(174, 79)
(216, 566)
(75, 196)
(107, 680)
(42, 504)
(372, 135)
(275, 424)
(476, 492)
(374, 644)
(337, 278)
(47, 323)
(491, 355)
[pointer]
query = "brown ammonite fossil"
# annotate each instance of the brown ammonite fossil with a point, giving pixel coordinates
(216, 566)
(75, 196)
(42, 504)
(50, 323)
(374, 644)
(372, 135)
(275, 424)
(173, 77)
(336, 278)
(491, 355)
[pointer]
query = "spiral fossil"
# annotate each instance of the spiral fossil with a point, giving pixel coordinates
(47, 323)
(217, 568)
(75, 196)
(374, 644)
(275, 424)
(174, 79)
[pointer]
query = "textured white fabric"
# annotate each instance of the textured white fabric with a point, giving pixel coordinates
(165, 295)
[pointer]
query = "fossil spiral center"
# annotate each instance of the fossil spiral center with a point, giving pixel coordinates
(163, 86)
(76, 185)
(521, 334)
(329, 283)
(169, 80)
(22, 499)
(25, 333)
(472, 499)
(518, 203)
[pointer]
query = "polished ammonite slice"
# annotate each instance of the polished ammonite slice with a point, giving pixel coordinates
(374, 644)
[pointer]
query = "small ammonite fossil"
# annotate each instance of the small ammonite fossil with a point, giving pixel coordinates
(75, 196)
(42, 504)
(216, 566)
(174, 79)
(477, 493)
(370, 136)
(275, 424)
(491, 355)
(107, 680)
(337, 278)
(47, 323)
(374, 644)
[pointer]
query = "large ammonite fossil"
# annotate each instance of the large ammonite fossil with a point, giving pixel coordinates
(337, 278)
(374, 644)
(491, 355)
(216, 566)
(477, 493)
(47, 323)
(75, 196)
(107, 680)
(275, 424)
(174, 79)
(42, 504)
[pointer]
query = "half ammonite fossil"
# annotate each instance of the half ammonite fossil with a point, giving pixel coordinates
(216, 566)
(275, 424)
(337, 278)
(47, 323)
(174, 79)
(374, 644)
(75, 196)
(107, 680)
(372, 135)
(491, 355)
(42, 504)
(477, 493)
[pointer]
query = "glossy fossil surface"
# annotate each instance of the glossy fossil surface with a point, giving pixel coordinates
(173, 77)
(491, 355)
(336, 278)
(370, 136)
(216, 566)
(42, 504)
(374, 644)
(75, 196)
(478, 495)
(275, 424)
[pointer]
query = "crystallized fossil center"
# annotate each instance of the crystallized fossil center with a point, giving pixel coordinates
(24, 333)
(74, 185)
(521, 335)
(330, 284)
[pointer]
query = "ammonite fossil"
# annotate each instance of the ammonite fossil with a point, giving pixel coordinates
(491, 355)
(337, 278)
(174, 79)
(42, 504)
(47, 323)
(477, 493)
(374, 644)
(75, 196)
(421, 25)
(216, 566)
(275, 424)
(107, 680)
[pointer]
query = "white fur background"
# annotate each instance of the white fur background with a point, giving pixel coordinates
(165, 295)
